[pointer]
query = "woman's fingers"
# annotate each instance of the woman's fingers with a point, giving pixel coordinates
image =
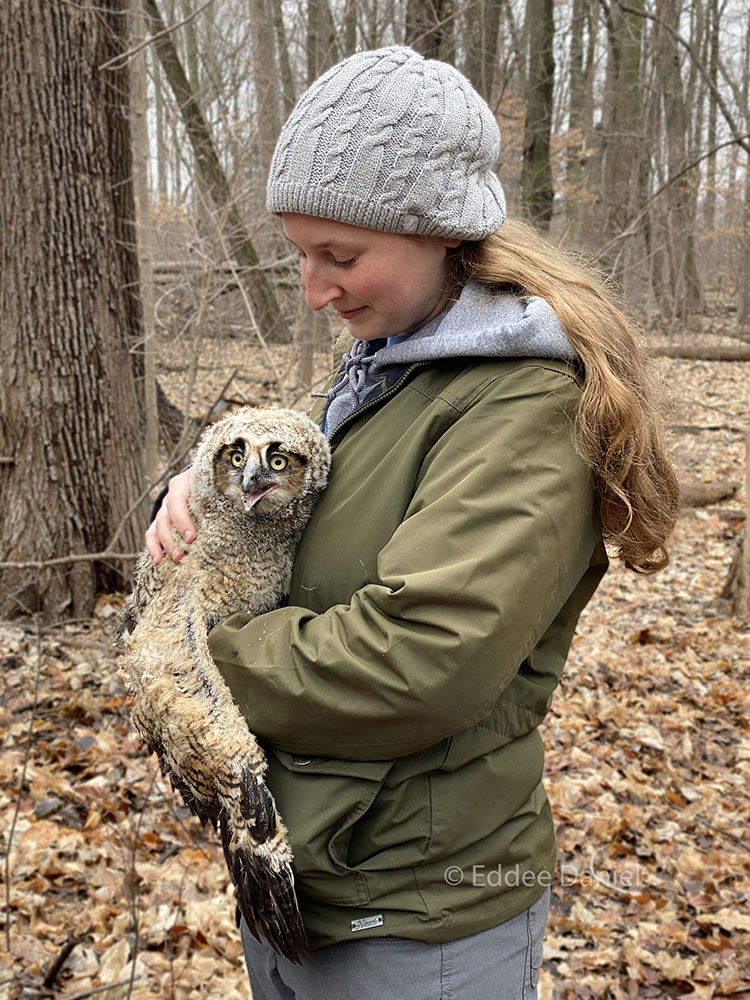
(173, 514)
(153, 545)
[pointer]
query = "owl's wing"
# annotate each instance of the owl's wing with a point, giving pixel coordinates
(183, 709)
(148, 582)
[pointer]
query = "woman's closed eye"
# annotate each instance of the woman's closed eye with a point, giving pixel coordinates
(336, 261)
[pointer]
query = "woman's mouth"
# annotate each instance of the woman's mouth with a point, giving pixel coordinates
(350, 313)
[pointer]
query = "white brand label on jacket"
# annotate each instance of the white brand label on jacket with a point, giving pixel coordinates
(364, 923)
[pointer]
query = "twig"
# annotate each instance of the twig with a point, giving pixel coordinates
(116, 63)
(62, 956)
(726, 513)
(64, 560)
(631, 228)
(135, 902)
(168, 800)
(700, 429)
(706, 406)
(306, 392)
(100, 989)
(742, 140)
(22, 782)
(726, 833)
(253, 322)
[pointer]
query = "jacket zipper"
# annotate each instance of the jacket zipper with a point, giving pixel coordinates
(333, 441)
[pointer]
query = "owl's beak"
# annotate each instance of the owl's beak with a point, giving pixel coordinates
(256, 483)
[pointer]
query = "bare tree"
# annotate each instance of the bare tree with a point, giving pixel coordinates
(536, 178)
(709, 205)
(265, 75)
(70, 416)
(623, 134)
(268, 318)
(743, 285)
(322, 39)
(482, 24)
(429, 25)
(683, 272)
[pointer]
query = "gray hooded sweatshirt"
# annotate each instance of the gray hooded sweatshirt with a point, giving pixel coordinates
(483, 322)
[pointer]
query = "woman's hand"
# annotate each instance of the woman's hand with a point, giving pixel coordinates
(173, 513)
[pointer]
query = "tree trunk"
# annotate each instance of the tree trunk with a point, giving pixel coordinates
(737, 587)
(428, 24)
(69, 416)
(288, 93)
(709, 204)
(265, 304)
(139, 126)
(482, 22)
(349, 34)
(191, 46)
(265, 77)
(685, 283)
(743, 287)
(623, 144)
(577, 87)
(536, 176)
(322, 44)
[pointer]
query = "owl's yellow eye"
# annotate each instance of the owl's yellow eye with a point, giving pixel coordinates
(237, 458)
(278, 462)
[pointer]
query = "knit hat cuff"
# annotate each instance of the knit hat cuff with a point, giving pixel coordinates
(328, 203)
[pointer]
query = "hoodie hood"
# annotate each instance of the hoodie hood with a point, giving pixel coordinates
(483, 322)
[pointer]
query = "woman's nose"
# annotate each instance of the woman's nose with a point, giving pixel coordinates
(319, 289)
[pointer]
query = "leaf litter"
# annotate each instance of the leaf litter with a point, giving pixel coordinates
(646, 771)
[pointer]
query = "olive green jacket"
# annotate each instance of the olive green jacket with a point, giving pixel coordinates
(435, 595)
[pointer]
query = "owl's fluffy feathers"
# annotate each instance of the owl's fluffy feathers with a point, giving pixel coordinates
(249, 519)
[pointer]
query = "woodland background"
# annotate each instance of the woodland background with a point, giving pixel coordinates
(143, 289)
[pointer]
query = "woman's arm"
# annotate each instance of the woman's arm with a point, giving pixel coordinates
(498, 537)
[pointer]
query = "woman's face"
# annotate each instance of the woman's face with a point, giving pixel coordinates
(380, 284)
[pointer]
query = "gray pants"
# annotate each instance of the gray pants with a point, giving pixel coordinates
(499, 964)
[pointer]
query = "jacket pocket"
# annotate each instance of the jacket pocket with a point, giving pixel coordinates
(320, 800)
(473, 801)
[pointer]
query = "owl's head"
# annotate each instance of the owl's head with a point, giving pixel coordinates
(260, 461)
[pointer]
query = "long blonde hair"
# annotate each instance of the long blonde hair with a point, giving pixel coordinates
(621, 419)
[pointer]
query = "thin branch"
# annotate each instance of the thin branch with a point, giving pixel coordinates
(135, 900)
(65, 560)
(118, 62)
(632, 225)
(741, 140)
(22, 780)
(100, 989)
(251, 315)
(60, 960)
(725, 833)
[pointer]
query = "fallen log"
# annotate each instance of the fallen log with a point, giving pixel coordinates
(705, 494)
(686, 353)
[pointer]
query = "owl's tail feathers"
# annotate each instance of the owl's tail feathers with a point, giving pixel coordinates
(259, 860)
(255, 842)
(264, 889)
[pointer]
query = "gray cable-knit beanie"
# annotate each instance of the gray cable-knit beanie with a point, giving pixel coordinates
(389, 140)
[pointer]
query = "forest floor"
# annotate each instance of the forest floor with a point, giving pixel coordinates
(647, 759)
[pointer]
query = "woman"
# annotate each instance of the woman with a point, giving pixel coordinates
(493, 418)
